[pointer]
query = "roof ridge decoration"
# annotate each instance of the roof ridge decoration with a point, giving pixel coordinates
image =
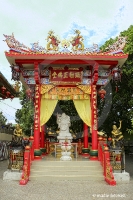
(53, 43)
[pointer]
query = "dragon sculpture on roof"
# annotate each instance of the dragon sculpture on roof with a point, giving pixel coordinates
(77, 41)
(15, 44)
(52, 42)
(118, 45)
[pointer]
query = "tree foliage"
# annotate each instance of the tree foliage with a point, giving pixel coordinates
(2, 119)
(25, 115)
(121, 102)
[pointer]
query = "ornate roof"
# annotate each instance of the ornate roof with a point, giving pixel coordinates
(7, 85)
(59, 53)
(73, 46)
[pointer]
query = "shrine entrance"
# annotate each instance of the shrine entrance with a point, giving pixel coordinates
(77, 74)
(67, 90)
(78, 129)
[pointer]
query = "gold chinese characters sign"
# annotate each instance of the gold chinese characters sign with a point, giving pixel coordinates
(37, 96)
(65, 93)
(94, 104)
(66, 76)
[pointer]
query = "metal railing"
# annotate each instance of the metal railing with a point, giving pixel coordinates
(3, 150)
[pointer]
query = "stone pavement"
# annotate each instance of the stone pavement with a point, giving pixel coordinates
(66, 190)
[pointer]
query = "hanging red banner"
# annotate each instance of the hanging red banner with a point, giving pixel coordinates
(66, 75)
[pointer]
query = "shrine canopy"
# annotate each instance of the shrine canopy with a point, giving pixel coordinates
(6, 89)
(64, 62)
(65, 69)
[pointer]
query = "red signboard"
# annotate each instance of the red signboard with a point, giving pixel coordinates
(66, 75)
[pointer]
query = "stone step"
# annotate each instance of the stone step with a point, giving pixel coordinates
(66, 170)
(66, 163)
(78, 177)
(62, 168)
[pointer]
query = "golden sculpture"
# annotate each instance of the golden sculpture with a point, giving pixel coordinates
(116, 134)
(52, 42)
(85, 88)
(17, 134)
(46, 88)
(65, 43)
(77, 42)
(17, 86)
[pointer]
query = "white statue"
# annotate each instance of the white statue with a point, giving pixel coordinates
(64, 123)
(66, 153)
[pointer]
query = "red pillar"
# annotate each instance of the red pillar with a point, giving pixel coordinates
(37, 151)
(85, 150)
(85, 135)
(42, 137)
(94, 150)
(42, 144)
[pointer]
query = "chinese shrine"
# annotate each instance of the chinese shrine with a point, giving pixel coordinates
(65, 70)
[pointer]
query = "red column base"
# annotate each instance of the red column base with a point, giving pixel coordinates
(37, 157)
(93, 158)
(44, 154)
(86, 155)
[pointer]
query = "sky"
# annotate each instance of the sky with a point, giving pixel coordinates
(30, 21)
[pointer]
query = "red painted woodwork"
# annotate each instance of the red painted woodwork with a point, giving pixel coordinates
(36, 73)
(66, 75)
(42, 136)
(86, 61)
(94, 117)
(37, 118)
(85, 135)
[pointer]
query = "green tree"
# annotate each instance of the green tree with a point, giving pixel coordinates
(25, 115)
(121, 103)
(2, 119)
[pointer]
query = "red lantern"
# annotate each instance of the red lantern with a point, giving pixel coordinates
(116, 72)
(8, 94)
(102, 93)
(11, 97)
(29, 92)
(16, 68)
(15, 72)
(109, 139)
(3, 89)
(116, 76)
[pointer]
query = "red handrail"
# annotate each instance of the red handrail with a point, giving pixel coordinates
(104, 158)
(28, 157)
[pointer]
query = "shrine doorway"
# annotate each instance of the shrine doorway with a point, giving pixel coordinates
(76, 128)
(77, 99)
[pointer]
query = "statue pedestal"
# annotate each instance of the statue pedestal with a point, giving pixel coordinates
(123, 177)
(63, 138)
(66, 154)
(12, 175)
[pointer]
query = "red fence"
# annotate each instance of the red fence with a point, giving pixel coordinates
(104, 158)
(28, 157)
